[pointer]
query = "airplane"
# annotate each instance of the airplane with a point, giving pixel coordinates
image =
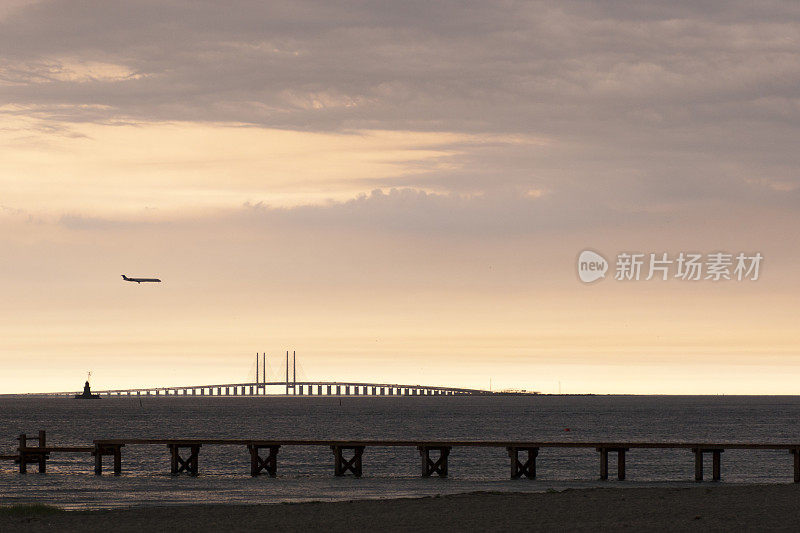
(141, 280)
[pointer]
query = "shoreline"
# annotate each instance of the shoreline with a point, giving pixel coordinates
(764, 507)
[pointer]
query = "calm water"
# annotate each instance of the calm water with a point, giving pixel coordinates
(306, 473)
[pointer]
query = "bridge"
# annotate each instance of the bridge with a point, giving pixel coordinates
(291, 387)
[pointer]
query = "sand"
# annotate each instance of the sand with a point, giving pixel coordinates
(701, 508)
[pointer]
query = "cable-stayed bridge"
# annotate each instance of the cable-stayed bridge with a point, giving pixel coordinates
(290, 386)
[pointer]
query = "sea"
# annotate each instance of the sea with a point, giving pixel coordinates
(306, 473)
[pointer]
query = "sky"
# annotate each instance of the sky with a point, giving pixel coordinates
(399, 191)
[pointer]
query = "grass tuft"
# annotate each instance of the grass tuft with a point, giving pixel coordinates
(28, 509)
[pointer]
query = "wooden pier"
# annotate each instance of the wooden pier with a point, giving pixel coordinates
(349, 455)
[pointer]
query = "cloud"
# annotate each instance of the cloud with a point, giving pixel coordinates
(472, 66)
(657, 105)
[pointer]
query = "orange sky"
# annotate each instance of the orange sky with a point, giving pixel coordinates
(398, 197)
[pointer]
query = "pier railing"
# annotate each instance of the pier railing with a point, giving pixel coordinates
(349, 454)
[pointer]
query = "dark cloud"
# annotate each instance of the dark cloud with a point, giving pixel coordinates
(642, 102)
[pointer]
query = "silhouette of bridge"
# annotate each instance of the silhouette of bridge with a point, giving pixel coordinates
(291, 387)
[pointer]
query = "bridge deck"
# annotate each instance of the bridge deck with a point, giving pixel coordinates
(295, 388)
(455, 443)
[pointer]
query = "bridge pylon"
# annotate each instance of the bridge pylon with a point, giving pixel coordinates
(293, 383)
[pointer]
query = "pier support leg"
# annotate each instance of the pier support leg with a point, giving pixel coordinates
(518, 468)
(342, 465)
(114, 450)
(698, 464)
(603, 463)
(23, 462)
(429, 466)
(796, 454)
(32, 454)
(258, 464)
(179, 464)
(716, 456)
(42, 457)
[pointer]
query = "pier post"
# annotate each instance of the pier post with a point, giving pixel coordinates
(716, 463)
(178, 464)
(796, 453)
(698, 464)
(603, 463)
(518, 468)
(100, 450)
(342, 466)
(29, 454)
(258, 464)
(42, 458)
(429, 466)
(23, 463)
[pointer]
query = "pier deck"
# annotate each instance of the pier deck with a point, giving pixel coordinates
(348, 454)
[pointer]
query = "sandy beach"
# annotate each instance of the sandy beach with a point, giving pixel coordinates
(701, 508)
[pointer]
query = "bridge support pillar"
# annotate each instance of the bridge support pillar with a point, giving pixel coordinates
(343, 465)
(259, 464)
(430, 466)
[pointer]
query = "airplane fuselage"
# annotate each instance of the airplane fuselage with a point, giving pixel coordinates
(141, 280)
